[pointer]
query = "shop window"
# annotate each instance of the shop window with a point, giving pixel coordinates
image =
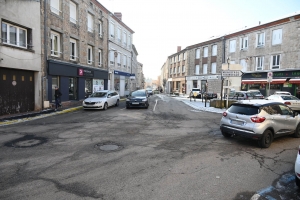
(55, 83)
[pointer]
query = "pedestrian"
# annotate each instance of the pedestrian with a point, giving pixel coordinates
(57, 95)
(192, 95)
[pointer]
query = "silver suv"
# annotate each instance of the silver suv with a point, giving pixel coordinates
(260, 120)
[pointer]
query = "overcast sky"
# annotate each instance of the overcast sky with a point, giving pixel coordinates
(162, 25)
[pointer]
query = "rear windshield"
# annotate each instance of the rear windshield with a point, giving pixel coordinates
(243, 109)
(196, 90)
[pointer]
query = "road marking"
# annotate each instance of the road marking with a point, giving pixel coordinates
(155, 105)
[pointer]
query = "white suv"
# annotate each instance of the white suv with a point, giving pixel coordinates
(196, 92)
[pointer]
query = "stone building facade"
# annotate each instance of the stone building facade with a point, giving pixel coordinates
(140, 79)
(75, 48)
(20, 57)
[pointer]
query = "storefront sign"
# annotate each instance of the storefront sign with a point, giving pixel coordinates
(85, 72)
(120, 73)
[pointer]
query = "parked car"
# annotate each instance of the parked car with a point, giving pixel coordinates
(149, 91)
(242, 95)
(101, 100)
(289, 100)
(211, 95)
(297, 168)
(196, 92)
(256, 94)
(138, 98)
(282, 92)
(260, 120)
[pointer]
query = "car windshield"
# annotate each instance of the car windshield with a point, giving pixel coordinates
(256, 93)
(98, 94)
(289, 98)
(138, 94)
(244, 109)
(196, 90)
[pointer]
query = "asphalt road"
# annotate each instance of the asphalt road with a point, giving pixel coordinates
(168, 151)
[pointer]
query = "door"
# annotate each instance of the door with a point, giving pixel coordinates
(290, 121)
(72, 88)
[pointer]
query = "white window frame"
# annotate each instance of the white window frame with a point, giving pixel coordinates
(175, 59)
(124, 61)
(111, 30)
(129, 40)
(277, 36)
(6, 39)
(178, 58)
(214, 50)
(124, 39)
(204, 69)
(260, 39)
(90, 23)
(178, 69)
(100, 29)
(184, 56)
(119, 34)
(259, 63)
(112, 57)
(55, 52)
(119, 59)
(55, 6)
(197, 69)
(183, 69)
(89, 55)
(73, 48)
(232, 46)
(171, 71)
(244, 64)
(214, 68)
(174, 70)
(129, 62)
(197, 53)
(205, 52)
(243, 43)
(275, 65)
(73, 12)
(100, 58)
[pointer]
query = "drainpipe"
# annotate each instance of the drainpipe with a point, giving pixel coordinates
(45, 51)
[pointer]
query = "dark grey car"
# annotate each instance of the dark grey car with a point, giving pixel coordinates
(137, 99)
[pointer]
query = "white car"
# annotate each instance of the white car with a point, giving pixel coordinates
(282, 93)
(101, 100)
(297, 168)
(289, 100)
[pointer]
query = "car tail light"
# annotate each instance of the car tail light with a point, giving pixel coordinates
(258, 119)
(224, 114)
(287, 103)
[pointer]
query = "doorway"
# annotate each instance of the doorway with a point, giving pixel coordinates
(72, 88)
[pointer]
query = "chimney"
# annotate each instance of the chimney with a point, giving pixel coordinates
(118, 15)
(178, 48)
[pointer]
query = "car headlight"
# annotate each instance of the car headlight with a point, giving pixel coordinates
(144, 100)
(127, 99)
(98, 102)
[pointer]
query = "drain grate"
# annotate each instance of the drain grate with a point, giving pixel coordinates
(26, 141)
(109, 146)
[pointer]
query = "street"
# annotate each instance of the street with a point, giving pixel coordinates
(168, 151)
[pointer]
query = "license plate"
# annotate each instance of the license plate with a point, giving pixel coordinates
(237, 122)
(135, 103)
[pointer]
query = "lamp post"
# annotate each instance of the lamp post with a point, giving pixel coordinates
(228, 62)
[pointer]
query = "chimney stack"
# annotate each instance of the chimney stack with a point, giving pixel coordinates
(178, 48)
(118, 15)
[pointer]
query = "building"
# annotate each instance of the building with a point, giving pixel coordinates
(139, 76)
(120, 54)
(20, 57)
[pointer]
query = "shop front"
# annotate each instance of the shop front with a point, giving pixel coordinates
(288, 80)
(121, 82)
(74, 81)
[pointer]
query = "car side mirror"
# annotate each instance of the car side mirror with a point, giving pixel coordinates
(295, 114)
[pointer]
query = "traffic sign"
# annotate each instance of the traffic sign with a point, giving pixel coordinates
(270, 74)
(232, 73)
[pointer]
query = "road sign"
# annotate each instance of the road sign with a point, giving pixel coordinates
(232, 73)
(270, 74)
(269, 79)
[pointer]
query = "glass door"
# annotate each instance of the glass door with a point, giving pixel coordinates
(55, 83)
(72, 88)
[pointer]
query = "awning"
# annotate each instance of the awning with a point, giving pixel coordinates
(274, 81)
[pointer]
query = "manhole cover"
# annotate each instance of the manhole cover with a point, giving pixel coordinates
(109, 146)
(26, 141)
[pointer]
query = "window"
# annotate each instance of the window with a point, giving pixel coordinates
(276, 62)
(124, 60)
(244, 43)
(125, 39)
(55, 44)
(100, 58)
(260, 38)
(129, 62)
(174, 70)
(73, 49)
(171, 70)
(90, 23)
(259, 63)
(197, 69)
(197, 53)
(184, 56)
(214, 50)
(73, 12)
(205, 51)
(100, 29)
(119, 34)
(90, 55)
(232, 45)
(178, 69)
(119, 59)
(183, 69)
(129, 41)
(112, 57)
(204, 68)
(244, 65)
(277, 37)
(178, 57)
(54, 6)
(175, 59)
(13, 35)
(213, 68)
(111, 29)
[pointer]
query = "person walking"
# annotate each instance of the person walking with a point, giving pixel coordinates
(192, 95)
(57, 95)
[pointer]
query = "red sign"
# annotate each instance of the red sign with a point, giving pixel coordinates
(80, 72)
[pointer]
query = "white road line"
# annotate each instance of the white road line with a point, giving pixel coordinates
(155, 105)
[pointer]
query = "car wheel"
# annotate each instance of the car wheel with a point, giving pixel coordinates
(297, 181)
(117, 103)
(105, 106)
(266, 139)
(297, 132)
(227, 135)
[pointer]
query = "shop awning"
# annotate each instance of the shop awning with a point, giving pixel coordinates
(274, 81)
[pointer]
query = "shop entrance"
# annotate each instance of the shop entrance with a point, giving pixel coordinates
(72, 88)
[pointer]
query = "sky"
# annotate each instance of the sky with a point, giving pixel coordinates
(162, 25)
